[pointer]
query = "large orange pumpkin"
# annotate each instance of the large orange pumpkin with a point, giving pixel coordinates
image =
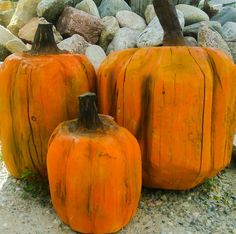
(178, 101)
(94, 171)
(38, 90)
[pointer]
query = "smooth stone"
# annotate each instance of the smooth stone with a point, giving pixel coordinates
(51, 9)
(192, 30)
(229, 31)
(209, 38)
(139, 6)
(150, 14)
(232, 47)
(223, 2)
(130, 20)
(27, 32)
(97, 2)
(111, 27)
(227, 14)
(111, 7)
(10, 41)
(25, 10)
(89, 7)
(153, 34)
(95, 54)
(5, 17)
(3, 52)
(6, 5)
(191, 41)
(124, 38)
(74, 21)
(74, 44)
(192, 14)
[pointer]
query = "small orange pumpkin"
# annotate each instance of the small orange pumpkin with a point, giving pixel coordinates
(178, 101)
(94, 171)
(38, 91)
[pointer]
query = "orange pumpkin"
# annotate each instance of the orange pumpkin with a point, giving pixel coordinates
(38, 90)
(94, 171)
(178, 101)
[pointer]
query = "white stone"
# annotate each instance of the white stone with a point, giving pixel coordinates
(192, 14)
(229, 31)
(25, 10)
(209, 38)
(10, 41)
(130, 20)
(95, 54)
(124, 38)
(153, 34)
(74, 44)
(111, 26)
(88, 6)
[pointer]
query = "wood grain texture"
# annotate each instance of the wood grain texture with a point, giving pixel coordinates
(94, 176)
(36, 94)
(179, 102)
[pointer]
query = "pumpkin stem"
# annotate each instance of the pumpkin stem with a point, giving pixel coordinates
(88, 115)
(167, 15)
(44, 42)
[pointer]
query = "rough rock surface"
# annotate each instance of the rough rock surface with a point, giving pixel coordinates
(25, 10)
(74, 44)
(124, 38)
(229, 31)
(209, 38)
(232, 46)
(111, 27)
(74, 21)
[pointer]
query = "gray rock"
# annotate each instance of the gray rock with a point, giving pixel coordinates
(74, 44)
(27, 32)
(139, 6)
(209, 38)
(74, 21)
(229, 31)
(111, 7)
(25, 10)
(149, 13)
(124, 38)
(88, 6)
(5, 17)
(192, 14)
(192, 30)
(232, 46)
(3, 52)
(95, 54)
(225, 15)
(111, 27)
(223, 2)
(51, 9)
(130, 20)
(191, 41)
(153, 34)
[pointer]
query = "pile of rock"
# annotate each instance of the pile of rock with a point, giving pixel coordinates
(98, 27)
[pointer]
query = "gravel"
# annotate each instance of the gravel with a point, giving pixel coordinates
(209, 208)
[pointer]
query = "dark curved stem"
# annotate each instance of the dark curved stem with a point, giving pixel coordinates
(88, 115)
(167, 15)
(44, 42)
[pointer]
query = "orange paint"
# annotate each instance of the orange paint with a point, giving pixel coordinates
(94, 176)
(179, 102)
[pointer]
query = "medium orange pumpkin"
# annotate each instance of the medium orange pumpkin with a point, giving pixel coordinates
(178, 101)
(38, 90)
(94, 171)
